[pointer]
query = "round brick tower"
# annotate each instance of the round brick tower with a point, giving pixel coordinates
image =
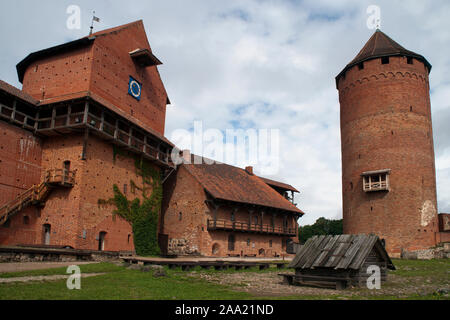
(388, 170)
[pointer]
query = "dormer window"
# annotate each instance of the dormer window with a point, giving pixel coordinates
(376, 180)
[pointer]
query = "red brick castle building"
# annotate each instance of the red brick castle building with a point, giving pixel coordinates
(87, 110)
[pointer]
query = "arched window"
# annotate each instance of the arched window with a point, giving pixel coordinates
(215, 249)
(46, 229)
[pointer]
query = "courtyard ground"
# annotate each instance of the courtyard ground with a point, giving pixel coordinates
(413, 279)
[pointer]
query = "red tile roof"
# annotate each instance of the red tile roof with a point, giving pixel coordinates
(381, 45)
(226, 182)
(278, 184)
(17, 92)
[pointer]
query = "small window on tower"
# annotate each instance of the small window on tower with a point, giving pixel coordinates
(385, 60)
(409, 60)
(360, 65)
(376, 180)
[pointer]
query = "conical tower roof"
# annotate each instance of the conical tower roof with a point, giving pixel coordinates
(381, 45)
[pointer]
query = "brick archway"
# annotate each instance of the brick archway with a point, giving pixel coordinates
(215, 249)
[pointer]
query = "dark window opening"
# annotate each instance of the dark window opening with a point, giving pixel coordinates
(248, 242)
(360, 65)
(7, 223)
(125, 189)
(26, 220)
(410, 109)
(101, 241)
(270, 243)
(385, 60)
(351, 185)
(231, 241)
(180, 216)
(409, 60)
(46, 233)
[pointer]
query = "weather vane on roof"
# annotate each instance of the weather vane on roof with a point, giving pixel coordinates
(94, 18)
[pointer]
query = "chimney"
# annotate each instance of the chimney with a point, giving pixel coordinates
(186, 154)
(249, 170)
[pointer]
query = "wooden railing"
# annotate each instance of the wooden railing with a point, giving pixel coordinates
(37, 193)
(375, 185)
(60, 176)
(120, 131)
(249, 227)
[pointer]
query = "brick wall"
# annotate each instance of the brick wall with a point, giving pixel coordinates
(185, 215)
(74, 214)
(20, 169)
(103, 68)
(386, 124)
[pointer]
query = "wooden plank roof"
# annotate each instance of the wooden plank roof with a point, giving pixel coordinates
(338, 252)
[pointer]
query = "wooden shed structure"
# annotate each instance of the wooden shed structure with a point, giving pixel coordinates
(338, 261)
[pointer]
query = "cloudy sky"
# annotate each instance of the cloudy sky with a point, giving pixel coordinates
(261, 65)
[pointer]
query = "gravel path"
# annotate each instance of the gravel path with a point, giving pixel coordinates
(45, 278)
(270, 284)
(25, 266)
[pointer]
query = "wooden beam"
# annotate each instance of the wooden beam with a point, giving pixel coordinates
(102, 120)
(52, 125)
(36, 124)
(85, 142)
(145, 144)
(13, 113)
(86, 112)
(116, 130)
(130, 135)
(69, 111)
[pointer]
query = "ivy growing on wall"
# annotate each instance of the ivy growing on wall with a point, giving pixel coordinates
(142, 215)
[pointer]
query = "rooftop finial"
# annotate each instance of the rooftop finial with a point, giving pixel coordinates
(94, 18)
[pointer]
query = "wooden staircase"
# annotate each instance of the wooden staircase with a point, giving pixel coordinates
(37, 194)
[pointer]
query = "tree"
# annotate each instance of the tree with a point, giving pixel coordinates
(322, 226)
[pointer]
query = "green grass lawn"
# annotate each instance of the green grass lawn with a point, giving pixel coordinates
(85, 268)
(118, 283)
(122, 283)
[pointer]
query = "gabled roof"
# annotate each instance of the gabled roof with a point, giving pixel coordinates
(229, 183)
(381, 45)
(65, 47)
(17, 93)
(338, 252)
(68, 46)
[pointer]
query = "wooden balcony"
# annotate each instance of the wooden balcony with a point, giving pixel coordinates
(375, 186)
(241, 226)
(60, 177)
(76, 117)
